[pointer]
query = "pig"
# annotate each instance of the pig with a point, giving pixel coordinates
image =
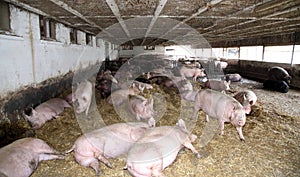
(105, 143)
(83, 97)
(217, 85)
(107, 75)
(158, 148)
(119, 96)
(221, 106)
(279, 86)
(191, 72)
(143, 85)
(233, 77)
(46, 111)
(277, 73)
(104, 87)
(141, 108)
(247, 98)
(22, 157)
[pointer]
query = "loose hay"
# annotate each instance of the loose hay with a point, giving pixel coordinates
(271, 148)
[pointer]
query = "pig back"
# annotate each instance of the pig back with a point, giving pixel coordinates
(158, 145)
(278, 73)
(116, 139)
(216, 104)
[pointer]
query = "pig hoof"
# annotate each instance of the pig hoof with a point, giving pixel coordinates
(198, 155)
(243, 140)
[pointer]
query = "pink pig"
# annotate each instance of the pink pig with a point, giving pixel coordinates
(46, 111)
(83, 96)
(218, 85)
(107, 142)
(141, 108)
(221, 106)
(191, 72)
(21, 158)
(157, 149)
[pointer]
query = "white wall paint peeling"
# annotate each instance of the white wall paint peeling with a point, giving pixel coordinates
(27, 60)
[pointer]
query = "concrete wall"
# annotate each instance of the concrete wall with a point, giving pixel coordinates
(33, 70)
(27, 60)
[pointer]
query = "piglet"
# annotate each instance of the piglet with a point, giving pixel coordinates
(247, 98)
(21, 158)
(141, 108)
(46, 111)
(221, 106)
(218, 85)
(105, 143)
(157, 149)
(83, 96)
(233, 77)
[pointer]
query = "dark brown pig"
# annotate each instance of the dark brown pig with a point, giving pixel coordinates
(46, 111)
(218, 85)
(191, 72)
(141, 108)
(21, 158)
(157, 149)
(247, 98)
(105, 143)
(221, 106)
(277, 73)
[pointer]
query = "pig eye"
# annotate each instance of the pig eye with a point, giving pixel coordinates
(84, 98)
(251, 102)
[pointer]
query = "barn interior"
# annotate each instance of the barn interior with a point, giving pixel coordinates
(48, 46)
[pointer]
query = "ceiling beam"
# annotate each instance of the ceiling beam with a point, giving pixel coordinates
(208, 6)
(222, 17)
(157, 12)
(251, 21)
(238, 13)
(251, 29)
(115, 10)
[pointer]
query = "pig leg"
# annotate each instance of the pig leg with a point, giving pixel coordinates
(207, 118)
(95, 165)
(192, 148)
(50, 156)
(156, 170)
(240, 132)
(105, 161)
(222, 127)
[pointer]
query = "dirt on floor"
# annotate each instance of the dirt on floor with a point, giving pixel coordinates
(272, 134)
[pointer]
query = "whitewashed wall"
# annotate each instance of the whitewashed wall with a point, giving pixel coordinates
(27, 60)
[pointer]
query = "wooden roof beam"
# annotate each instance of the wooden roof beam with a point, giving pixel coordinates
(157, 12)
(200, 11)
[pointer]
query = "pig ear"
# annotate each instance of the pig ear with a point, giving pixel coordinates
(181, 124)
(244, 96)
(33, 111)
